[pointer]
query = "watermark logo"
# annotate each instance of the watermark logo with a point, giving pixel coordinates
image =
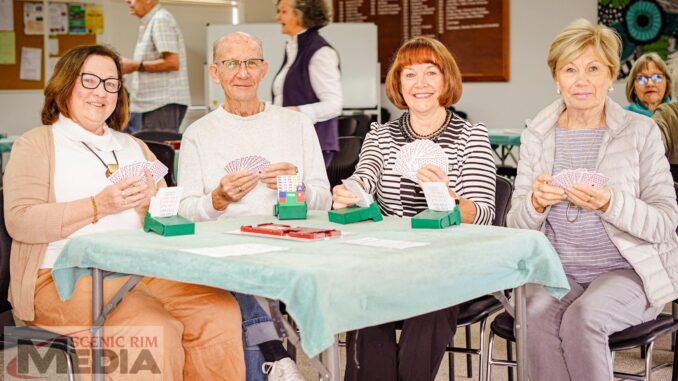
(125, 350)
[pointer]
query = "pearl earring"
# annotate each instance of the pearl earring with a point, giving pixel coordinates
(558, 90)
(611, 89)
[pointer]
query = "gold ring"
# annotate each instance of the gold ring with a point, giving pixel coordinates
(123, 194)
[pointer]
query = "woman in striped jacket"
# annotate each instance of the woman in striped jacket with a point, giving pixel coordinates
(424, 79)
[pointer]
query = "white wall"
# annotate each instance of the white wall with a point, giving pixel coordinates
(500, 105)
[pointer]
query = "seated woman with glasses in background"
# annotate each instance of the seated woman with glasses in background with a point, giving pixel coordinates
(57, 187)
(648, 84)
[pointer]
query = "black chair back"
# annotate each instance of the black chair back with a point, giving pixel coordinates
(5, 250)
(502, 200)
(344, 162)
(157, 135)
(164, 153)
(348, 125)
(363, 124)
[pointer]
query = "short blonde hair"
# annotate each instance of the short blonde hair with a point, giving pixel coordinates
(638, 66)
(420, 50)
(571, 42)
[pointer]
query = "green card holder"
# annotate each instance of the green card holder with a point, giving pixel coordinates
(290, 211)
(168, 226)
(355, 213)
(432, 219)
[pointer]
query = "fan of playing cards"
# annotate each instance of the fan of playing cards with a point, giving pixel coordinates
(157, 169)
(415, 155)
(568, 178)
(254, 163)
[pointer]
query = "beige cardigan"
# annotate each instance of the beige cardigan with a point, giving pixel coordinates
(33, 217)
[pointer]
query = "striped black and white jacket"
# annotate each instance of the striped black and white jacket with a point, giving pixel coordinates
(472, 171)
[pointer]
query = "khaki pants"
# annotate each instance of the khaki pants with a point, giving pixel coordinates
(200, 327)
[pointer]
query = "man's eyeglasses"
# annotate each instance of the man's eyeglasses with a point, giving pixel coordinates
(250, 64)
(91, 81)
(644, 79)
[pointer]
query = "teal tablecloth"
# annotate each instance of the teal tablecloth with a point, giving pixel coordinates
(6, 143)
(505, 137)
(330, 287)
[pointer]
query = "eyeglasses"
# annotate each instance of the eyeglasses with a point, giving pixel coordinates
(91, 82)
(644, 79)
(250, 64)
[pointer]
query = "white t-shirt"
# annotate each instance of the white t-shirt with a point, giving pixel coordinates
(79, 174)
(278, 134)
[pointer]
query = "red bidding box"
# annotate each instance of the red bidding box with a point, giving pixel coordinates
(281, 230)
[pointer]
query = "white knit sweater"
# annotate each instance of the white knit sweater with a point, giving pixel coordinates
(278, 134)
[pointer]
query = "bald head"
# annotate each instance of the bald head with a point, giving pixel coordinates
(235, 38)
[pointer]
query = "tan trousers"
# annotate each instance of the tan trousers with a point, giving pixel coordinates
(201, 334)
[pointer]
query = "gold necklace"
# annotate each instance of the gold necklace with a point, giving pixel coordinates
(110, 168)
(413, 135)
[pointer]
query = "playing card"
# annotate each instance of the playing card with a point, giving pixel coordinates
(414, 155)
(127, 171)
(254, 163)
(364, 199)
(157, 169)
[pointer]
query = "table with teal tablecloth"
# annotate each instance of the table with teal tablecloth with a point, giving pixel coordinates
(503, 142)
(329, 286)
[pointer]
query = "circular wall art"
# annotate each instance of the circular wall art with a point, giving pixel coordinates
(644, 21)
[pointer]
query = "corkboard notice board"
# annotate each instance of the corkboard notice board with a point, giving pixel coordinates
(475, 31)
(9, 74)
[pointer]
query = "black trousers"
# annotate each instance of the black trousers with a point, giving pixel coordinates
(373, 354)
(167, 117)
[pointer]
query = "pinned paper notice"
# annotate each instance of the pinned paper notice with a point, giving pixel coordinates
(438, 197)
(166, 202)
(31, 59)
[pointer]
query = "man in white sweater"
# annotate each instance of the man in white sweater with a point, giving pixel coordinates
(245, 126)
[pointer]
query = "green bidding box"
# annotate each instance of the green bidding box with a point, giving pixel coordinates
(432, 219)
(291, 211)
(168, 226)
(355, 213)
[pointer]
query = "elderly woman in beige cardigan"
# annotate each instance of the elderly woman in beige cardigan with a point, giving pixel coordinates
(617, 242)
(56, 187)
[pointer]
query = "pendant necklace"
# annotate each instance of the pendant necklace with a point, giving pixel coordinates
(110, 168)
(588, 155)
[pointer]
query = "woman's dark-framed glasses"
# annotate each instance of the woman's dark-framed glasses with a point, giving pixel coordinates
(92, 81)
(250, 64)
(644, 79)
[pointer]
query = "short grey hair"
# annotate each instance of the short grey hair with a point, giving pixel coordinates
(312, 14)
(237, 36)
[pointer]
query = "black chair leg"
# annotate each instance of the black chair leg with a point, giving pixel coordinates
(450, 364)
(674, 372)
(643, 352)
(469, 362)
(509, 357)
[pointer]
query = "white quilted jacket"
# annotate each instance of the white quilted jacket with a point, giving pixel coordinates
(642, 217)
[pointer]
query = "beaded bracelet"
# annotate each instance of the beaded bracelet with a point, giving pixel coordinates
(95, 210)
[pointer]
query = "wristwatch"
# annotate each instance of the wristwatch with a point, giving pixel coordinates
(141, 66)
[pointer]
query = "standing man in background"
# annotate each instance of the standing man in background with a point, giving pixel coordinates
(159, 80)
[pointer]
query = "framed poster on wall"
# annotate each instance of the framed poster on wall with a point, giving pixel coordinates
(644, 26)
(476, 32)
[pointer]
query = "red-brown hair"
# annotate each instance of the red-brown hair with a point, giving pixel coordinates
(65, 76)
(420, 50)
